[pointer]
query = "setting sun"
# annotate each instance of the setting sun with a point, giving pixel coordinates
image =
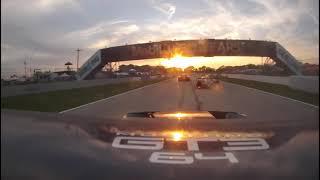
(179, 62)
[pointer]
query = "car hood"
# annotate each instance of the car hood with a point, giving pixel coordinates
(48, 145)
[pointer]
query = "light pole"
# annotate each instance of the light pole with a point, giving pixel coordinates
(25, 68)
(78, 52)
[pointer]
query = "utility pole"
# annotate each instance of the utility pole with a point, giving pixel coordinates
(25, 68)
(78, 52)
(30, 67)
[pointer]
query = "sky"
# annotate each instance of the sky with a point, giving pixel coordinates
(46, 33)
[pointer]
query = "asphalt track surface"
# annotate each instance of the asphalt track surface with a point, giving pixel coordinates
(171, 95)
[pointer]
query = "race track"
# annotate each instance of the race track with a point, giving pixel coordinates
(171, 95)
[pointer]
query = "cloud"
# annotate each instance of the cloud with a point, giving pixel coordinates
(18, 8)
(103, 34)
(99, 44)
(126, 30)
(50, 5)
(166, 8)
(51, 30)
(99, 28)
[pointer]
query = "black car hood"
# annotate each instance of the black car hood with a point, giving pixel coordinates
(52, 146)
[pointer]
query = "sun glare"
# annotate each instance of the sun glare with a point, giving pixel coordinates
(179, 115)
(178, 61)
(177, 135)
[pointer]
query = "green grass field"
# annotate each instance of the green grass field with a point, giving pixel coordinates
(57, 101)
(281, 90)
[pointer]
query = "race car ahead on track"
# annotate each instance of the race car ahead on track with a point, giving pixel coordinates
(183, 77)
(203, 83)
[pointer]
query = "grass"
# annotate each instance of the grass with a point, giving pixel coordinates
(281, 90)
(57, 101)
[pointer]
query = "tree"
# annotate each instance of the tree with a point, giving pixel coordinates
(159, 70)
(251, 66)
(189, 69)
(126, 68)
(174, 70)
(206, 69)
(202, 68)
(145, 68)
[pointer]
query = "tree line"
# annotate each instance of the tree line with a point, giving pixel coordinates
(264, 69)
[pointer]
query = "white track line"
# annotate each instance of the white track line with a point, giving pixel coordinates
(112, 96)
(274, 94)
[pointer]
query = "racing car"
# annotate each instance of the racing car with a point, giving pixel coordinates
(183, 77)
(203, 83)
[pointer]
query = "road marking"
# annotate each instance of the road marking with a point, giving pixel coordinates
(196, 98)
(130, 91)
(265, 92)
(181, 95)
